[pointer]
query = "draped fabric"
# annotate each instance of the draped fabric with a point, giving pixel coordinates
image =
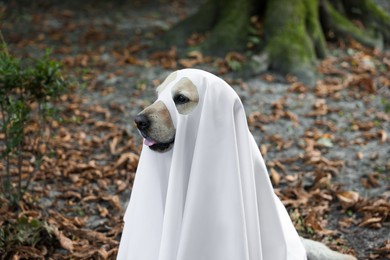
(209, 197)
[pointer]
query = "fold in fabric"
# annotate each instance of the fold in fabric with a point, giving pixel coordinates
(210, 197)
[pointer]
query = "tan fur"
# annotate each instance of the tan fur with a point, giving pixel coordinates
(161, 127)
(188, 89)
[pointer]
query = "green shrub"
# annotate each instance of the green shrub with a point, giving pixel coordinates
(27, 92)
(24, 232)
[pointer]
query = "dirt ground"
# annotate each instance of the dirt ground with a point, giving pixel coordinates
(326, 146)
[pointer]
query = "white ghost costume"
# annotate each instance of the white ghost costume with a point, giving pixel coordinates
(209, 197)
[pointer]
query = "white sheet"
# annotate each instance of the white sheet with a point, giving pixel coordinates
(210, 197)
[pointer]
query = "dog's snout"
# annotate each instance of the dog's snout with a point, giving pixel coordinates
(142, 122)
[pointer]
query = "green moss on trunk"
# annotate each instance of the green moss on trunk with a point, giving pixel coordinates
(371, 15)
(343, 28)
(200, 22)
(293, 29)
(226, 21)
(290, 47)
(313, 27)
(231, 31)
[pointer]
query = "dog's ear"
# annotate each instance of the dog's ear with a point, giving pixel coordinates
(185, 95)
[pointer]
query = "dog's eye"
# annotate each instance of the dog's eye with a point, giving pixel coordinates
(180, 99)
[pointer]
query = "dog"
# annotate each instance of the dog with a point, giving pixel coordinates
(156, 126)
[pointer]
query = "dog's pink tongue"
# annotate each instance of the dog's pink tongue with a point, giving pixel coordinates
(149, 142)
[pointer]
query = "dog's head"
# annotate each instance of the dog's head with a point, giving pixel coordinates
(155, 122)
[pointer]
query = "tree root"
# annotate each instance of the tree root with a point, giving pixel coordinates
(294, 30)
(294, 37)
(200, 22)
(333, 21)
(371, 15)
(227, 24)
(231, 31)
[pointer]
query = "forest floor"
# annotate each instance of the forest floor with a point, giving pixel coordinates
(326, 146)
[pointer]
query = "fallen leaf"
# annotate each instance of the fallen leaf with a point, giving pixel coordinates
(263, 150)
(64, 241)
(370, 221)
(126, 157)
(383, 136)
(348, 199)
(103, 211)
(275, 177)
(346, 222)
(359, 155)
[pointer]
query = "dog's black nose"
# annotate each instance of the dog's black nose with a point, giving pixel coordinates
(142, 122)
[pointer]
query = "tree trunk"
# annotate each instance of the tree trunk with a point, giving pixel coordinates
(294, 36)
(225, 21)
(295, 31)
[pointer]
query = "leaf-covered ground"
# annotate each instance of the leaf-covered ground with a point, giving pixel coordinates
(326, 146)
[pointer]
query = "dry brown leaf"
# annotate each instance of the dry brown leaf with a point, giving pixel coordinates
(90, 198)
(188, 63)
(370, 181)
(359, 155)
(297, 87)
(348, 199)
(113, 145)
(292, 117)
(325, 89)
(27, 252)
(311, 220)
(115, 201)
(103, 211)
(263, 150)
(280, 166)
(346, 222)
(268, 77)
(275, 177)
(85, 252)
(80, 221)
(121, 185)
(129, 156)
(366, 83)
(371, 222)
(103, 253)
(383, 136)
(103, 124)
(291, 178)
(194, 57)
(295, 197)
(167, 59)
(65, 242)
(320, 108)
(385, 248)
(94, 236)
(70, 194)
(327, 123)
